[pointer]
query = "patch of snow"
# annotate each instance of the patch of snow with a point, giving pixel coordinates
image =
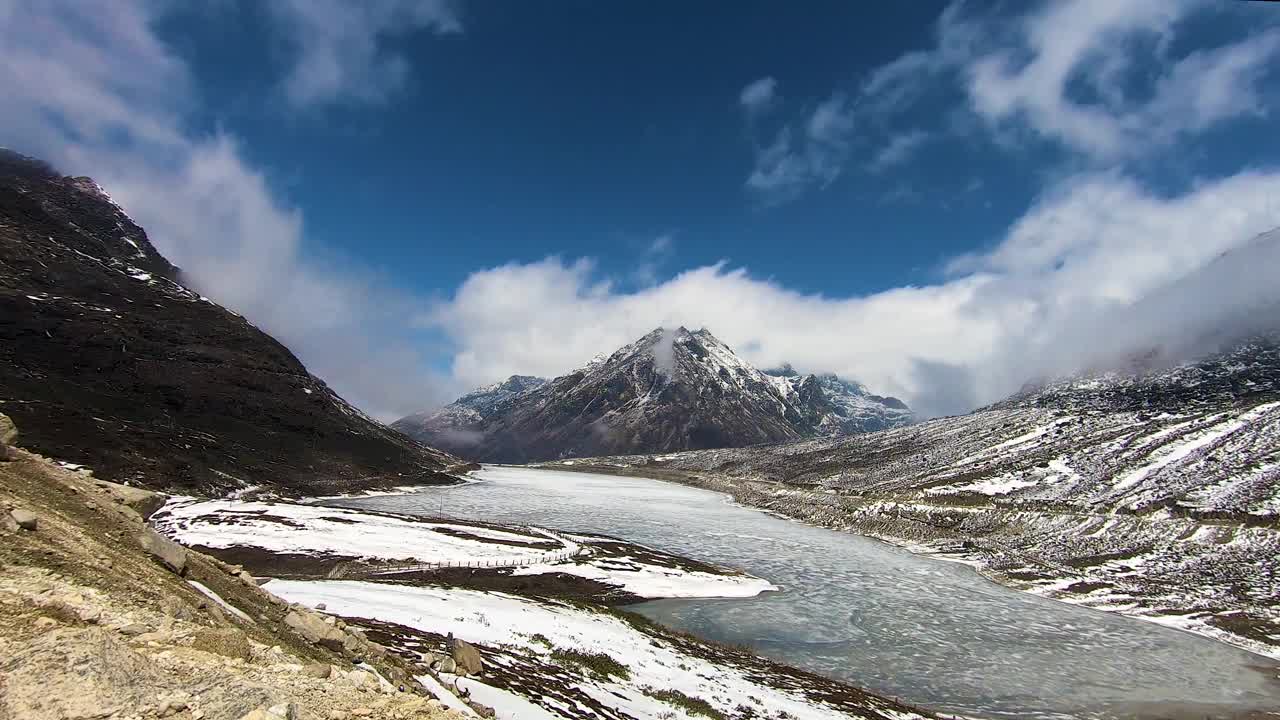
(1198, 440)
(315, 529)
(448, 699)
(654, 581)
(218, 599)
(496, 619)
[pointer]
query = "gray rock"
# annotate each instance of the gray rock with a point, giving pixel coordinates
(8, 431)
(446, 665)
(134, 629)
(283, 711)
(465, 656)
(24, 519)
(143, 502)
(167, 552)
(315, 630)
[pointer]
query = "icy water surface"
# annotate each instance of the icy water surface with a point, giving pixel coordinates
(927, 631)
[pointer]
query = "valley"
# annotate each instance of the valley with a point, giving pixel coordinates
(1127, 495)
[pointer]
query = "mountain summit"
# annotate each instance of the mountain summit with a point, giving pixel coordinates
(673, 389)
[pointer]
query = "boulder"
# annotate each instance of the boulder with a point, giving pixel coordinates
(8, 431)
(465, 656)
(143, 502)
(225, 642)
(24, 519)
(315, 630)
(283, 711)
(167, 552)
(318, 670)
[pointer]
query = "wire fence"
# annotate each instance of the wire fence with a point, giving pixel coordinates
(360, 568)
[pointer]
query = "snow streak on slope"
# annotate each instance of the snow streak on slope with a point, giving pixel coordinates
(1156, 494)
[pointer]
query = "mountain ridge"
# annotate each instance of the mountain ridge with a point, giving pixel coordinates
(108, 360)
(672, 389)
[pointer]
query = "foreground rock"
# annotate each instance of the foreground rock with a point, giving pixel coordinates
(92, 626)
(466, 658)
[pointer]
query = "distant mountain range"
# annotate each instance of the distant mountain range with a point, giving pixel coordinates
(670, 390)
(109, 360)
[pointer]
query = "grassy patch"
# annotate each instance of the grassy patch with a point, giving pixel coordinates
(691, 705)
(540, 639)
(599, 665)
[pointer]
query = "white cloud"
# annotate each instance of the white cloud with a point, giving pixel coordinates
(897, 150)
(758, 95)
(814, 156)
(341, 50)
(1097, 77)
(92, 90)
(1070, 72)
(1096, 268)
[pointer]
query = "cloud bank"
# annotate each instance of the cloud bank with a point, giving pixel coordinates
(1098, 268)
(1103, 79)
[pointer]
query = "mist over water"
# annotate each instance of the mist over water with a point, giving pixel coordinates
(927, 631)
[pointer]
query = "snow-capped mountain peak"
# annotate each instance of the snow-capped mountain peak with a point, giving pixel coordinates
(671, 389)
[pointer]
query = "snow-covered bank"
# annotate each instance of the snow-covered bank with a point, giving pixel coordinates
(653, 581)
(402, 540)
(311, 529)
(542, 629)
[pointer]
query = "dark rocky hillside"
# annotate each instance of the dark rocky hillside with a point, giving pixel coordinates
(109, 361)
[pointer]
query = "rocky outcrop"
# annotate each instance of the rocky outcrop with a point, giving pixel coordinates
(466, 657)
(8, 435)
(316, 630)
(165, 551)
(24, 519)
(109, 360)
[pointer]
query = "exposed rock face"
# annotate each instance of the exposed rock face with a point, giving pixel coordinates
(465, 657)
(8, 431)
(671, 390)
(167, 552)
(24, 519)
(316, 630)
(108, 360)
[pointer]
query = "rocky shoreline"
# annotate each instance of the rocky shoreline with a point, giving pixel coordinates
(101, 616)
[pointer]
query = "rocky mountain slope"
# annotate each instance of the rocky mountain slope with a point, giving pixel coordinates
(102, 618)
(670, 390)
(461, 423)
(108, 360)
(1155, 493)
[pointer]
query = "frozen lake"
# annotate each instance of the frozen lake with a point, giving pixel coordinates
(927, 631)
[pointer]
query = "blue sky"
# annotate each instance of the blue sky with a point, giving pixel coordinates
(593, 130)
(939, 199)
